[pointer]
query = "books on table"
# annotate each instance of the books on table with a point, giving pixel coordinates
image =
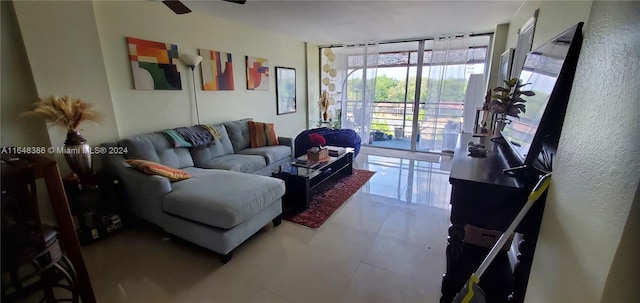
(335, 151)
(302, 161)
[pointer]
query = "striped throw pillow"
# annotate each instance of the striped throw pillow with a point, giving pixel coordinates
(262, 134)
(153, 168)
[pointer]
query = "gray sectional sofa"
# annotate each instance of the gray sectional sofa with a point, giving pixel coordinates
(228, 198)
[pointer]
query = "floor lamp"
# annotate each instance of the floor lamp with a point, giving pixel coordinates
(192, 61)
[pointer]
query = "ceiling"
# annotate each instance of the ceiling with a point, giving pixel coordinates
(325, 22)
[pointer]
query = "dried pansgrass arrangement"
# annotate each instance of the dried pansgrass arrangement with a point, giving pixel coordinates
(65, 112)
(324, 101)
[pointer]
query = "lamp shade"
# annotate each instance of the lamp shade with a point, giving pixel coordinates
(191, 60)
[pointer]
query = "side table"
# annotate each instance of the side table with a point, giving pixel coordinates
(96, 205)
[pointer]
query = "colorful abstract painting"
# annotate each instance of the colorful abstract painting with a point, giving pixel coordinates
(154, 64)
(257, 73)
(217, 70)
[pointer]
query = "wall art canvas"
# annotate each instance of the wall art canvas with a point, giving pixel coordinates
(154, 65)
(217, 70)
(257, 73)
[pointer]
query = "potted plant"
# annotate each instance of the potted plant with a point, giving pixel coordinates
(69, 113)
(507, 101)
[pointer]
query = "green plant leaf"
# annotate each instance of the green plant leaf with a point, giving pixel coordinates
(528, 93)
(513, 111)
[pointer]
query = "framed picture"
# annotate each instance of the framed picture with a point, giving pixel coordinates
(505, 66)
(285, 90)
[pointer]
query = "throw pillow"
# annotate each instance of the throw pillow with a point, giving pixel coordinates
(262, 134)
(153, 168)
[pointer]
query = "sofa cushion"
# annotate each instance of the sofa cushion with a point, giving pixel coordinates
(239, 133)
(155, 147)
(153, 168)
(262, 134)
(236, 162)
(219, 147)
(271, 154)
(219, 199)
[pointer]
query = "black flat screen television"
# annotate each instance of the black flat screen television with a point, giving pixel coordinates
(548, 72)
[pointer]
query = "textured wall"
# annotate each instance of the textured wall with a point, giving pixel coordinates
(622, 281)
(596, 169)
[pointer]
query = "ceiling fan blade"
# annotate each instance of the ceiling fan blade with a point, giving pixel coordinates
(176, 6)
(237, 1)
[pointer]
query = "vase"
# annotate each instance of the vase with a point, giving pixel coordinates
(77, 152)
(318, 154)
(325, 116)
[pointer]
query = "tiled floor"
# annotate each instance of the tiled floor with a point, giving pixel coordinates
(386, 244)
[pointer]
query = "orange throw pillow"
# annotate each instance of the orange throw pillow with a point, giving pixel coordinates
(153, 168)
(262, 134)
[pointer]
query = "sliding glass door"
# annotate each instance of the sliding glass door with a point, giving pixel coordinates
(400, 111)
(445, 77)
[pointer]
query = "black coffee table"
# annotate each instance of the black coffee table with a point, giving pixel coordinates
(299, 180)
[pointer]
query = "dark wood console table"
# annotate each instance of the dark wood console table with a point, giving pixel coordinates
(484, 197)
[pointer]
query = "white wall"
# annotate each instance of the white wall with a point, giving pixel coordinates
(19, 90)
(622, 281)
(17, 94)
(313, 82)
(553, 18)
(64, 54)
(596, 169)
(79, 47)
(140, 111)
(498, 43)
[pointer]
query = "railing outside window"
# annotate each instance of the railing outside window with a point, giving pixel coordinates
(393, 121)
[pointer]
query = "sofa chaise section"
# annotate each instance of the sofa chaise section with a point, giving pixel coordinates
(228, 198)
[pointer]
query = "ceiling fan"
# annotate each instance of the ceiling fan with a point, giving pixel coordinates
(179, 8)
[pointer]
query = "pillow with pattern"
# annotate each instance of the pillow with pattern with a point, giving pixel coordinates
(153, 168)
(262, 134)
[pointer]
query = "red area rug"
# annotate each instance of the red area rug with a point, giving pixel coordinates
(328, 197)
